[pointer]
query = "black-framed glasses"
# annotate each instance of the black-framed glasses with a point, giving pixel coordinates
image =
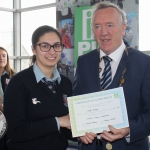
(45, 47)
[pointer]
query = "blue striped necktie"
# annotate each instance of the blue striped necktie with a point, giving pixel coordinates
(107, 75)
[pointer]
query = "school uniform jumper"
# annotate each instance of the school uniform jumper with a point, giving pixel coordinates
(32, 126)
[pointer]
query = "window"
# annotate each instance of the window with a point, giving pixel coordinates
(25, 3)
(6, 31)
(6, 3)
(11, 63)
(25, 63)
(30, 21)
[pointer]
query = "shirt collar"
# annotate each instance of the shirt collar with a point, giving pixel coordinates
(116, 55)
(39, 74)
(5, 72)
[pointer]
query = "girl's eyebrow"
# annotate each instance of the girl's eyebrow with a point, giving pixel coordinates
(57, 43)
(50, 44)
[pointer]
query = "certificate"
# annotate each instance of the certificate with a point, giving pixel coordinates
(95, 111)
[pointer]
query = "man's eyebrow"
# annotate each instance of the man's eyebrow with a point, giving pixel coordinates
(105, 23)
(109, 23)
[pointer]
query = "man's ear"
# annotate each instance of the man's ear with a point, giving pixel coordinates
(33, 50)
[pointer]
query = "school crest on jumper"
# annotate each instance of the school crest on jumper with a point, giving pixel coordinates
(7, 81)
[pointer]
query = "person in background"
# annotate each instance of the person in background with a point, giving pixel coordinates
(62, 31)
(66, 40)
(6, 72)
(36, 113)
(120, 67)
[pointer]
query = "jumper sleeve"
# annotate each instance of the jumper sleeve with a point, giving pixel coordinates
(57, 123)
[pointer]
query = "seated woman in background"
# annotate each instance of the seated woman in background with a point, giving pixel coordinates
(35, 110)
(6, 72)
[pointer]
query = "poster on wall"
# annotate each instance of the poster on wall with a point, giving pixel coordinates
(84, 39)
(65, 15)
(65, 25)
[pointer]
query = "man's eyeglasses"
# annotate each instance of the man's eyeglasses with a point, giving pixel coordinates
(45, 47)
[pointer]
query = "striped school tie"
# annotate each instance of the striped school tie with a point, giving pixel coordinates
(50, 85)
(106, 76)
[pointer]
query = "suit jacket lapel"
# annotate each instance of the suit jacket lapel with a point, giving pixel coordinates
(94, 67)
(121, 67)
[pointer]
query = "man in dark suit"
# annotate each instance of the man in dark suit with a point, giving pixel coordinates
(129, 68)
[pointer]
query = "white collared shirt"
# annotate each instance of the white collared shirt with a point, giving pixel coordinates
(39, 74)
(115, 56)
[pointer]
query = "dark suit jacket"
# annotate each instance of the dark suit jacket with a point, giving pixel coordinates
(136, 90)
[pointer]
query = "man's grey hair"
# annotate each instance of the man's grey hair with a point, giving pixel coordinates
(103, 5)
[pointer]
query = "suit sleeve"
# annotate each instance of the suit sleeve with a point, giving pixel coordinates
(15, 109)
(77, 84)
(140, 126)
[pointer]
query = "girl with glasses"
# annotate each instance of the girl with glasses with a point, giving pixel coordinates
(36, 111)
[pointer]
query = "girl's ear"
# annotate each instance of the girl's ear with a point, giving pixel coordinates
(33, 50)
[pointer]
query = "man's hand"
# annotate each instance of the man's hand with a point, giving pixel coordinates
(115, 134)
(64, 121)
(88, 138)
